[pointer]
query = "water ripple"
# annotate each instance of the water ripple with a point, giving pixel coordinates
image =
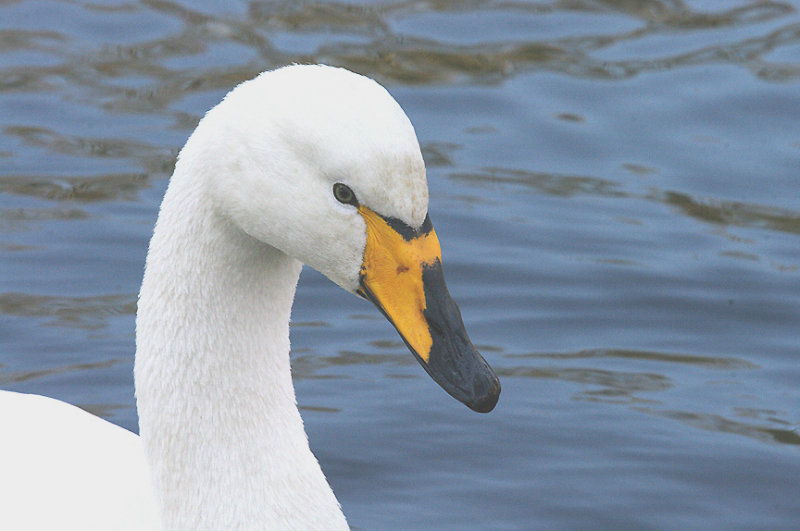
(732, 213)
(111, 187)
(714, 362)
(73, 312)
(785, 435)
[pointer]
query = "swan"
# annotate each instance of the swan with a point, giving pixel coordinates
(305, 164)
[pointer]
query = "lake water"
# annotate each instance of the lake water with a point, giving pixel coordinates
(616, 186)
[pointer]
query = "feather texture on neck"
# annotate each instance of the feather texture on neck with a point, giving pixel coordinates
(218, 415)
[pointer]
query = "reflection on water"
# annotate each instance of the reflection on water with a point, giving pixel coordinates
(313, 365)
(642, 391)
(661, 357)
(708, 210)
(9, 378)
(615, 187)
(13, 217)
(730, 213)
(81, 312)
(559, 185)
(614, 385)
(762, 431)
(112, 187)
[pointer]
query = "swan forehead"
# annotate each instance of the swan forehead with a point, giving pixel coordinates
(390, 183)
(349, 129)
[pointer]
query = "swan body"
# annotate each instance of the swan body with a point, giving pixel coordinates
(304, 164)
(66, 469)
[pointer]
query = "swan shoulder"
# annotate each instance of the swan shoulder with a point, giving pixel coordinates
(64, 468)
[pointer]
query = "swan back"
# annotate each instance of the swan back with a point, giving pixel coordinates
(64, 468)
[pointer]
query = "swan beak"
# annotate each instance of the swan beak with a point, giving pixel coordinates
(402, 275)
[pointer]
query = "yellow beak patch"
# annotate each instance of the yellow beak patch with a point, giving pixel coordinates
(402, 275)
(392, 273)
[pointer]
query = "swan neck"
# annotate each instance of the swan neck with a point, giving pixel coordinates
(218, 418)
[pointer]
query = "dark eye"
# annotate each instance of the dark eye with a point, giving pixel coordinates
(344, 194)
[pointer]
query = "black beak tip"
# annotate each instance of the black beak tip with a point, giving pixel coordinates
(485, 399)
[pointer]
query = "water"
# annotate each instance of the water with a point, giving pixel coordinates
(615, 185)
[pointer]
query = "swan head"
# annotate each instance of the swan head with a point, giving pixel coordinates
(325, 166)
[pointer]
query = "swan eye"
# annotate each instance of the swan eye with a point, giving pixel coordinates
(344, 194)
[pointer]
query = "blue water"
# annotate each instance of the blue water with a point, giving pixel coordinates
(616, 186)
